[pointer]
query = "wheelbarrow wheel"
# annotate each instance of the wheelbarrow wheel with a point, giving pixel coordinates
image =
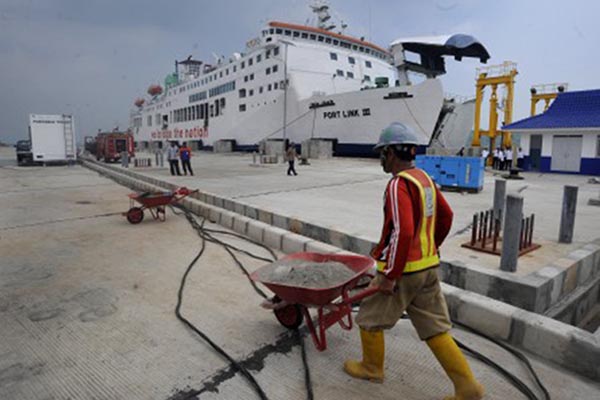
(135, 215)
(290, 316)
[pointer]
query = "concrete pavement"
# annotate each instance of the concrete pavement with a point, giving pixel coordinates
(86, 311)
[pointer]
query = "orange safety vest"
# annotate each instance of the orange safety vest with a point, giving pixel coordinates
(422, 252)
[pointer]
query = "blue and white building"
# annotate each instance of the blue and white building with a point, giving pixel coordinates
(565, 138)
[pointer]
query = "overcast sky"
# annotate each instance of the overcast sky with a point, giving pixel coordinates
(92, 58)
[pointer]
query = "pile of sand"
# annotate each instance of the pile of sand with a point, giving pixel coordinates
(306, 274)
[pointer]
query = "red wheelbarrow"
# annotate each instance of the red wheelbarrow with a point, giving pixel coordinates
(291, 303)
(155, 202)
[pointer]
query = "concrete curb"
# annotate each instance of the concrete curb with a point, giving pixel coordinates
(563, 344)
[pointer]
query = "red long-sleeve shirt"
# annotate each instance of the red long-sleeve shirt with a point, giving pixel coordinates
(402, 215)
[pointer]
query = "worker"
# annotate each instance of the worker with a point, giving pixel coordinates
(417, 219)
(172, 155)
(290, 156)
(185, 153)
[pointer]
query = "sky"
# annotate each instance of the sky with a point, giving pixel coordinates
(93, 58)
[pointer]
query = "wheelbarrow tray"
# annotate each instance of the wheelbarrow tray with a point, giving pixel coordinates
(317, 296)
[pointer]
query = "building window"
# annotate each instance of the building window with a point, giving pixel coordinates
(243, 65)
(267, 54)
(368, 64)
(333, 56)
(269, 87)
(242, 107)
(246, 78)
(339, 72)
(251, 92)
(251, 77)
(149, 120)
(234, 68)
(258, 58)
(242, 93)
(349, 74)
(275, 86)
(274, 68)
(268, 71)
(276, 51)
(221, 74)
(260, 89)
(351, 60)
(250, 61)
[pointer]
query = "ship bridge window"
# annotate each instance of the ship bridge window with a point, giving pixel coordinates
(368, 50)
(333, 56)
(242, 107)
(288, 32)
(258, 58)
(313, 36)
(351, 60)
(296, 34)
(368, 64)
(361, 49)
(304, 35)
(328, 40)
(321, 38)
(250, 61)
(354, 47)
(349, 74)
(271, 31)
(276, 51)
(336, 42)
(339, 72)
(278, 31)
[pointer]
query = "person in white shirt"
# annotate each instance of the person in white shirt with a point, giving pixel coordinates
(509, 158)
(485, 154)
(500, 159)
(495, 163)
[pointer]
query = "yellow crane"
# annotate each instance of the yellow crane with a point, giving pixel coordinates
(546, 92)
(494, 76)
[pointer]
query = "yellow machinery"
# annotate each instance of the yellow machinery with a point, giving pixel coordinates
(494, 76)
(547, 92)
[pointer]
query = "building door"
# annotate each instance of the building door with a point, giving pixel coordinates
(566, 153)
(535, 152)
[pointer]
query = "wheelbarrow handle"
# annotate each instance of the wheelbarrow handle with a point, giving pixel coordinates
(360, 295)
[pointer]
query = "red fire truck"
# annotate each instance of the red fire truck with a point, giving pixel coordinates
(110, 145)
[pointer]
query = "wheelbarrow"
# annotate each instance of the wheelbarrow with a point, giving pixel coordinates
(155, 202)
(291, 303)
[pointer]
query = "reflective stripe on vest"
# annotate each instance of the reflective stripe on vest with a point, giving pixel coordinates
(425, 242)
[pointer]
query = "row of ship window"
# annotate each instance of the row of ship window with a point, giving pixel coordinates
(215, 76)
(351, 60)
(324, 39)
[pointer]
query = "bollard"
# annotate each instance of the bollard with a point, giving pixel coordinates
(567, 217)
(512, 233)
(125, 159)
(474, 230)
(156, 157)
(499, 199)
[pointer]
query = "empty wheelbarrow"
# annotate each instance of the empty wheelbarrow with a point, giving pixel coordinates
(155, 202)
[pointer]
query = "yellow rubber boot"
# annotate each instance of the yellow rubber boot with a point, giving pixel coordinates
(371, 366)
(454, 363)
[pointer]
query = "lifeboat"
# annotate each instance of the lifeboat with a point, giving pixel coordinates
(139, 102)
(155, 90)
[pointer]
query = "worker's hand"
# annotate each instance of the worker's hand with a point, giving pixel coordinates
(387, 286)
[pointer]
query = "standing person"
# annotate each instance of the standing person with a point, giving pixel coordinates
(509, 158)
(520, 158)
(186, 154)
(485, 154)
(173, 156)
(417, 219)
(495, 158)
(500, 159)
(290, 156)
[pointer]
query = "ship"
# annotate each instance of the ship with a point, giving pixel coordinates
(297, 82)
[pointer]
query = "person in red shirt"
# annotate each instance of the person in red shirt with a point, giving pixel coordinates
(186, 154)
(417, 219)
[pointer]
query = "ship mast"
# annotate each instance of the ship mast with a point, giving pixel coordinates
(321, 8)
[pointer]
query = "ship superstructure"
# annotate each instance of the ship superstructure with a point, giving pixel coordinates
(298, 82)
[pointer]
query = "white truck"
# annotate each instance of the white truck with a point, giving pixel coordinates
(52, 138)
